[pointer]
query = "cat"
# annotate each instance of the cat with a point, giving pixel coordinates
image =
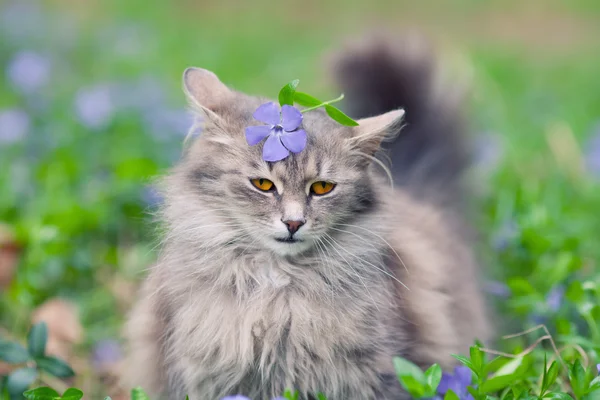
(242, 302)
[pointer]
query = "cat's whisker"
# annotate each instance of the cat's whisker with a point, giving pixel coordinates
(355, 272)
(371, 264)
(377, 236)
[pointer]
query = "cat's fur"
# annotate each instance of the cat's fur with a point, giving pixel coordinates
(227, 309)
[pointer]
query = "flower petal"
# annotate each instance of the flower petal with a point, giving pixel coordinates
(291, 118)
(294, 141)
(273, 149)
(463, 375)
(268, 113)
(254, 134)
(444, 383)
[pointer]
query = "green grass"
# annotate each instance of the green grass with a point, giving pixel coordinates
(77, 208)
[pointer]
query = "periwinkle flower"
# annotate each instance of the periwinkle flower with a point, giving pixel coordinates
(281, 131)
(14, 125)
(506, 234)
(94, 106)
(598, 368)
(106, 354)
(458, 383)
(28, 71)
(592, 156)
(236, 397)
(152, 197)
(498, 289)
(555, 298)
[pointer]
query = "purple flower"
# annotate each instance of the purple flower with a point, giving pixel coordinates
(598, 368)
(592, 156)
(281, 131)
(106, 354)
(14, 125)
(505, 235)
(152, 197)
(28, 71)
(497, 289)
(236, 397)
(458, 383)
(94, 107)
(555, 297)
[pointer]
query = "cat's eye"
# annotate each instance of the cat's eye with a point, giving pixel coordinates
(263, 184)
(322, 187)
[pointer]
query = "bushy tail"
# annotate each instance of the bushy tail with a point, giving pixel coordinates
(428, 155)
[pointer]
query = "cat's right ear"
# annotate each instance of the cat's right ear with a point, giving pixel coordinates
(205, 92)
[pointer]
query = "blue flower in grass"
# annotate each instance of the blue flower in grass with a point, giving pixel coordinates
(14, 125)
(28, 71)
(281, 131)
(555, 297)
(458, 383)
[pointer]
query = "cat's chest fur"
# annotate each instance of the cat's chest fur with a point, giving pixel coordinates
(280, 322)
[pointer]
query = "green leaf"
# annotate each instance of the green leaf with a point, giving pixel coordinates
(473, 392)
(433, 376)
(306, 100)
(558, 396)
(108, 398)
(544, 375)
(450, 395)
(595, 384)
(187, 397)
(291, 395)
(477, 358)
(286, 94)
(13, 353)
(551, 376)
(406, 368)
(578, 379)
(412, 386)
(575, 292)
(139, 394)
(20, 379)
(72, 394)
(494, 365)
(507, 374)
(497, 383)
(42, 393)
(339, 116)
(37, 338)
(466, 362)
(55, 366)
(321, 396)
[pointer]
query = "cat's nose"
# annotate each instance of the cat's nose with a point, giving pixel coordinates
(293, 226)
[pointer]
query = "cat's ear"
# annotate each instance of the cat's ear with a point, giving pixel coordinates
(370, 132)
(205, 92)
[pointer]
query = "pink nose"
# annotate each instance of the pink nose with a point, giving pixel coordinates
(293, 226)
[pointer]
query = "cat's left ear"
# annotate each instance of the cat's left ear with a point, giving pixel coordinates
(370, 132)
(205, 92)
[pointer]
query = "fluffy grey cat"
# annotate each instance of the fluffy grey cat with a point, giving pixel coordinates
(312, 272)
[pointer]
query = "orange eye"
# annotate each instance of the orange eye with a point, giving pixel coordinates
(263, 184)
(321, 187)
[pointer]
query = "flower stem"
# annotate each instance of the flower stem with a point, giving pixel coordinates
(324, 104)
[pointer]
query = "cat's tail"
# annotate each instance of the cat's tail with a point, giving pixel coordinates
(429, 154)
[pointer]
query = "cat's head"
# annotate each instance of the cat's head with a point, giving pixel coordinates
(288, 206)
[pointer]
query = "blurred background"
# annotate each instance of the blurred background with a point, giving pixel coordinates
(91, 111)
